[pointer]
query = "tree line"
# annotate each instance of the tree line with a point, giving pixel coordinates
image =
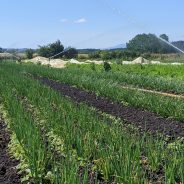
(55, 48)
(141, 44)
(51, 50)
(150, 43)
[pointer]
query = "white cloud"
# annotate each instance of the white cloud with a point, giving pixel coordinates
(64, 20)
(79, 21)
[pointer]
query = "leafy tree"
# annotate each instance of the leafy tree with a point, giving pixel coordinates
(71, 53)
(179, 44)
(29, 53)
(165, 48)
(56, 48)
(149, 43)
(51, 49)
(164, 36)
(144, 43)
(44, 51)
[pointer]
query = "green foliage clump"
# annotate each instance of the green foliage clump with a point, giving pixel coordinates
(51, 49)
(107, 66)
(70, 53)
(150, 43)
(29, 53)
(95, 55)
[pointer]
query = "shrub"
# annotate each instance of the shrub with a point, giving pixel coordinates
(29, 53)
(107, 66)
(71, 53)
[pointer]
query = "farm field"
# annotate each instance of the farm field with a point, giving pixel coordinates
(168, 71)
(81, 124)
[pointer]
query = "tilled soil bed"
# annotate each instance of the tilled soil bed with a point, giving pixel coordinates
(146, 121)
(8, 173)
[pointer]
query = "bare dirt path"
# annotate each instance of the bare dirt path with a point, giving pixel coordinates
(144, 120)
(154, 92)
(8, 173)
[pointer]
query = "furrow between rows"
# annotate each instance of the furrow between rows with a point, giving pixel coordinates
(8, 172)
(144, 120)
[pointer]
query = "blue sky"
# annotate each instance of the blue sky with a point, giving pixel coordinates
(87, 23)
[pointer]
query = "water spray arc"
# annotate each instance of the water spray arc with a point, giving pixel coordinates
(134, 21)
(121, 14)
(65, 50)
(170, 44)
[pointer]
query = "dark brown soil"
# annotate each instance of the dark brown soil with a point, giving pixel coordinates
(92, 176)
(146, 121)
(8, 173)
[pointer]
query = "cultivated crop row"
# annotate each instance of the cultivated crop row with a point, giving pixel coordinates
(166, 71)
(89, 147)
(157, 83)
(162, 105)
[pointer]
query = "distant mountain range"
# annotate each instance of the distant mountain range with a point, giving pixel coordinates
(91, 50)
(13, 50)
(120, 46)
(22, 50)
